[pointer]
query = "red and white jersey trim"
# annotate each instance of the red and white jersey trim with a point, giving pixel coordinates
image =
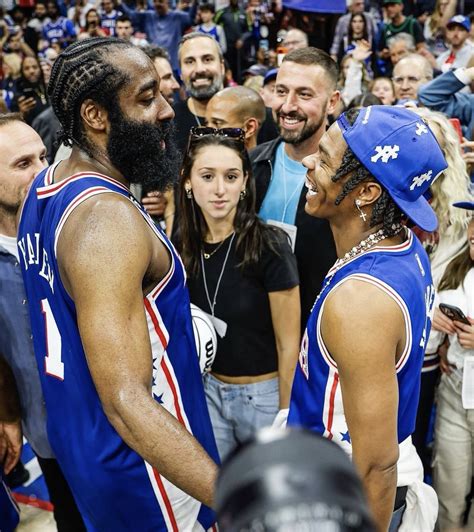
(50, 188)
(379, 249)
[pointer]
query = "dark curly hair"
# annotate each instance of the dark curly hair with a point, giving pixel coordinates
(385, 210)
(84, 71)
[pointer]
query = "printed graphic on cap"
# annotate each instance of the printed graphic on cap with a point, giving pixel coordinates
(385, 153)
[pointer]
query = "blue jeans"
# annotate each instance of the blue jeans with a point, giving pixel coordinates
(396, 519)
(238, 410)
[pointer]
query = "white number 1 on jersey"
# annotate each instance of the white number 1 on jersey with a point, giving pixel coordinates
(52, 361)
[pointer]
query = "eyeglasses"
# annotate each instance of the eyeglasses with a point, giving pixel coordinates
(229, 132)
(410, 79)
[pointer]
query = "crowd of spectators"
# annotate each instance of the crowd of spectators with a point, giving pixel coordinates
(221, 65)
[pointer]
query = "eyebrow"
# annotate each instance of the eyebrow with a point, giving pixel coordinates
(153, 84)
(28, 156)
(227, 170)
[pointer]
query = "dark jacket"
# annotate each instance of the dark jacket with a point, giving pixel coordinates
(315, 249)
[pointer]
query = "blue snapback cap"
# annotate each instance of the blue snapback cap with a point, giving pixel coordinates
(399, 149)
(460, 20)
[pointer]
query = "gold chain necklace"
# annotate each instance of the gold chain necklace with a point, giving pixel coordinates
(211, 253)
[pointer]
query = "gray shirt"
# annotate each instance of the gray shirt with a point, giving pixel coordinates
(17, 347)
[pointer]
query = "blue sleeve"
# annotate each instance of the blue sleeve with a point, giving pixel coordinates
(185, 19)
(70, 30)
(442, 94)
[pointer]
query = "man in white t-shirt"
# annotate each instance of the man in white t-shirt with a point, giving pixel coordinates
(460, 48)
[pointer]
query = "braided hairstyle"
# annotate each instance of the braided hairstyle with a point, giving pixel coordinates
(83, 71)
(385, 211)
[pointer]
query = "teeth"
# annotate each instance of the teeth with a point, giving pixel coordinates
(312, 190)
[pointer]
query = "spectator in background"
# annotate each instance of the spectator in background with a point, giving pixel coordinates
(161, 59)
(162, 25)
(460, 49)
(435, 26)
(444, 94)
(295, 39)
(30, 97)
(207, 26)
(109, 16)
(237, 107)
(202, 72)
(59, 28)
(409, 74)
(78, 13)
(454, 455)
(305, 94)
(400, 45)
(354, 77)
(233, 20)
(384, 90)
(124, 30)
(92, 27)
(357, 33)
(342, 27)
(399, 23)
(39, 18)
(268, 89)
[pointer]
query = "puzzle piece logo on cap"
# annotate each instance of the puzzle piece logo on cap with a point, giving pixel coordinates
(398, 148)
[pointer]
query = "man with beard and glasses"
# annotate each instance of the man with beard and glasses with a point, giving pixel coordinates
(202, 72)
(305, 94)
(109, 308)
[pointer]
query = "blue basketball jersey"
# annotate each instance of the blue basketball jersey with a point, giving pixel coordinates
(114, 487)
(403, 273)
(109, 21)
(211, 32)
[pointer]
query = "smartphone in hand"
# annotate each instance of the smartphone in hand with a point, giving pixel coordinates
(454, 313)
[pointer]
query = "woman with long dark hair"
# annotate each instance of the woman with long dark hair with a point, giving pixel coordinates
(243, 273)
(30, 97)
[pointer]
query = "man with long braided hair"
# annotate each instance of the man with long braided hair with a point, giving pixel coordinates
(113, 338)
(361, 355)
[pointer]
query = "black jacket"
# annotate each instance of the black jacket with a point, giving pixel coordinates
(314, 249)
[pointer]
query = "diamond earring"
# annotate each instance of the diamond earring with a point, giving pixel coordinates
(361, 212)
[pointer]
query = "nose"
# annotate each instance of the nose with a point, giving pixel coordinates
(405, 84)
(290, 103)
(174, 84)
(220, 186)
(311, 161)
(165, 111)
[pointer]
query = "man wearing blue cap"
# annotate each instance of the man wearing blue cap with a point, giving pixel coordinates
(460, 48)
(360, 362)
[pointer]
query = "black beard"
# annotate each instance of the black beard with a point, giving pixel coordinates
(294, 137)
(134, 148)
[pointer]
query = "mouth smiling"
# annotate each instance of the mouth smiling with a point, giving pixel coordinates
(290, 122)
(312, 189)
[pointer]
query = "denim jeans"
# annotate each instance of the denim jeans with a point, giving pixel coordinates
(396, 519)
(238, 410)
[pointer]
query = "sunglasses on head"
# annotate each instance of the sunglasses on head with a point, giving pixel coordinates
(229, 132)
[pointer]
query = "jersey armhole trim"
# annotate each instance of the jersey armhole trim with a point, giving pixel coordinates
(393, 295)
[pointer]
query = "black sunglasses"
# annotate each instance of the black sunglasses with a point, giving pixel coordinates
(229, 132)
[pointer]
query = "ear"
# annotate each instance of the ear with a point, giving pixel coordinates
(250, 127)
(369, 193)
(333, 102)
(187, 184)
(94, 116)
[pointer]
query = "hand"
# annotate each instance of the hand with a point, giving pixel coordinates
(465, 334)
(470, 72)
(442, 323)
(362, 51)
(444, 365)
(154, 203)
(11, 440)
(384, 54)
(25, 105)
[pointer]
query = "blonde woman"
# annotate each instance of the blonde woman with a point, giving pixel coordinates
(442, 246)
(435, 25)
